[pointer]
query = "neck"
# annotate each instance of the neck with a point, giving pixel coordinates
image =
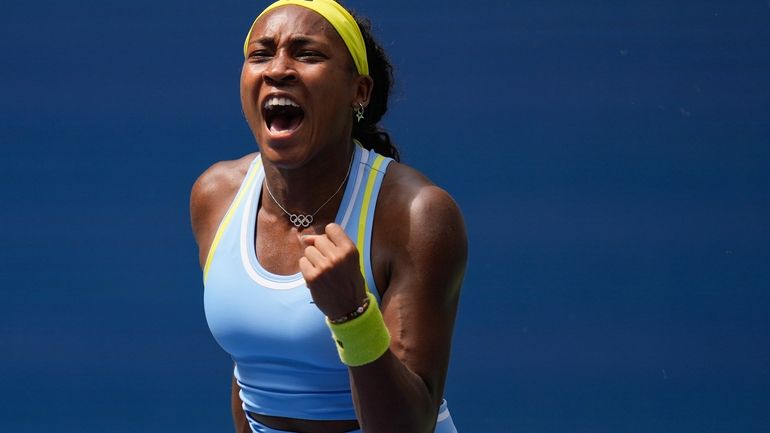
(305, 189)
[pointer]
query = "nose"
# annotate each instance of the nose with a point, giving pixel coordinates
(280, 70)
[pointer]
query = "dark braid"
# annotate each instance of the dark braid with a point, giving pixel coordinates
(371, 135)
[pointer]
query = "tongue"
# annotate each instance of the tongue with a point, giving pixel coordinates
(285, 123)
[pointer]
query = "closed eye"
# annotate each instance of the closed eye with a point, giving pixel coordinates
(311, 56)
(260, 55)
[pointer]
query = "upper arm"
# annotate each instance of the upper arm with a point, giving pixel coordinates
(427, 265)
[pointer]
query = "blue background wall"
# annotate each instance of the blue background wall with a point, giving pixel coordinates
(612, 160)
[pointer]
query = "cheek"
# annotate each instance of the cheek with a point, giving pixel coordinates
(248, 82)
(333, 99)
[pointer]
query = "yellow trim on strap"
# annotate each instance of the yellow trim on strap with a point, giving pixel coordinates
(375, 168)
(229, 216)
(338, 17)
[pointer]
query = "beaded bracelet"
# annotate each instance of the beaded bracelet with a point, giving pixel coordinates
(364, 340)
(353, 314)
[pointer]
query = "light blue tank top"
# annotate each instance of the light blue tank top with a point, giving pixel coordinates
(286, 363)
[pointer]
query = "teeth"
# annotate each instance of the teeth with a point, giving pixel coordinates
(275, 101)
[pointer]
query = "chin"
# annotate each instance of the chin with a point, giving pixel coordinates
(284, 151)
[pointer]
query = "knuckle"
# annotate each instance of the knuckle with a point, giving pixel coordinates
(322, 267)
(311, 277)
(348, 243)
(350, 252)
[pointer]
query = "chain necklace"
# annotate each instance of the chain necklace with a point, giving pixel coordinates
(304, 220)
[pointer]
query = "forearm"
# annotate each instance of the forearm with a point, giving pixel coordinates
(397, 355)
(389, 397)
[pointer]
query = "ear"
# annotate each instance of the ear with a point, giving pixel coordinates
(363, 92)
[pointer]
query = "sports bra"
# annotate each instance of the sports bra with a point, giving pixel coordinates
(286, 363)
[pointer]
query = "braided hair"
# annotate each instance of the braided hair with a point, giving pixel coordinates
(371, 135)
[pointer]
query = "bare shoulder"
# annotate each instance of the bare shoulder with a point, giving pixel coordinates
(220, 177)
(423, 223)
(211, 195)
(426, 208)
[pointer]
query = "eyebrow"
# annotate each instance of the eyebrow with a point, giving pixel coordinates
(265, 40)
(293, 40)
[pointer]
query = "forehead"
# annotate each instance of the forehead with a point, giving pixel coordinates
(293, 20)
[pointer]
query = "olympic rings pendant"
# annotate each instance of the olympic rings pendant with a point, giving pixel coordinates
(301, 220)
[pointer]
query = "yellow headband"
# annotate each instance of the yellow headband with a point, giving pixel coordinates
(338, 17)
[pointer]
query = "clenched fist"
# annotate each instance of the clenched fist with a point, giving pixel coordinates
(332, 273)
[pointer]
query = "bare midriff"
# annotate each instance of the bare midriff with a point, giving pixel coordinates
(306, 425)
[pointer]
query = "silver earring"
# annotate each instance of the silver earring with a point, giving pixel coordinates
(359, 112)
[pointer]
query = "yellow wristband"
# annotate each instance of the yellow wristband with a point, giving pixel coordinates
(364, 339)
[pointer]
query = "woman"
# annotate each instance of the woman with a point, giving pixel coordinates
(319, 236)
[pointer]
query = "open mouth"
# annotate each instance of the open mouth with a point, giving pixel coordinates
(282, 114)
